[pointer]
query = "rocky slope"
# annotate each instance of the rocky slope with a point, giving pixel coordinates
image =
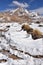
(16, 48)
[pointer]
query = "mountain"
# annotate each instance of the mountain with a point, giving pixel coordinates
(19, 15)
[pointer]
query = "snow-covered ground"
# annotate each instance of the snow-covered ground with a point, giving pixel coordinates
(31, 51)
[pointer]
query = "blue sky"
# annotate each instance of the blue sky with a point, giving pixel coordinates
(33, 4)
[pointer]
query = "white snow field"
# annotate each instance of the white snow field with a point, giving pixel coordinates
(16, 43)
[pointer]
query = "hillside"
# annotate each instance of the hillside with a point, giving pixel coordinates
(17, 45)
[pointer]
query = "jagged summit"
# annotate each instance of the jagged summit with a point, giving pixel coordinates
(19, 11)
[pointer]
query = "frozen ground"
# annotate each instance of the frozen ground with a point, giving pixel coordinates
(14, 43)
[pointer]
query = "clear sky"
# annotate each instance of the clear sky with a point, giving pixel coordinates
(33, 4)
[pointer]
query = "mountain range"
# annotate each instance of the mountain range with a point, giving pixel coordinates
(20, 15)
